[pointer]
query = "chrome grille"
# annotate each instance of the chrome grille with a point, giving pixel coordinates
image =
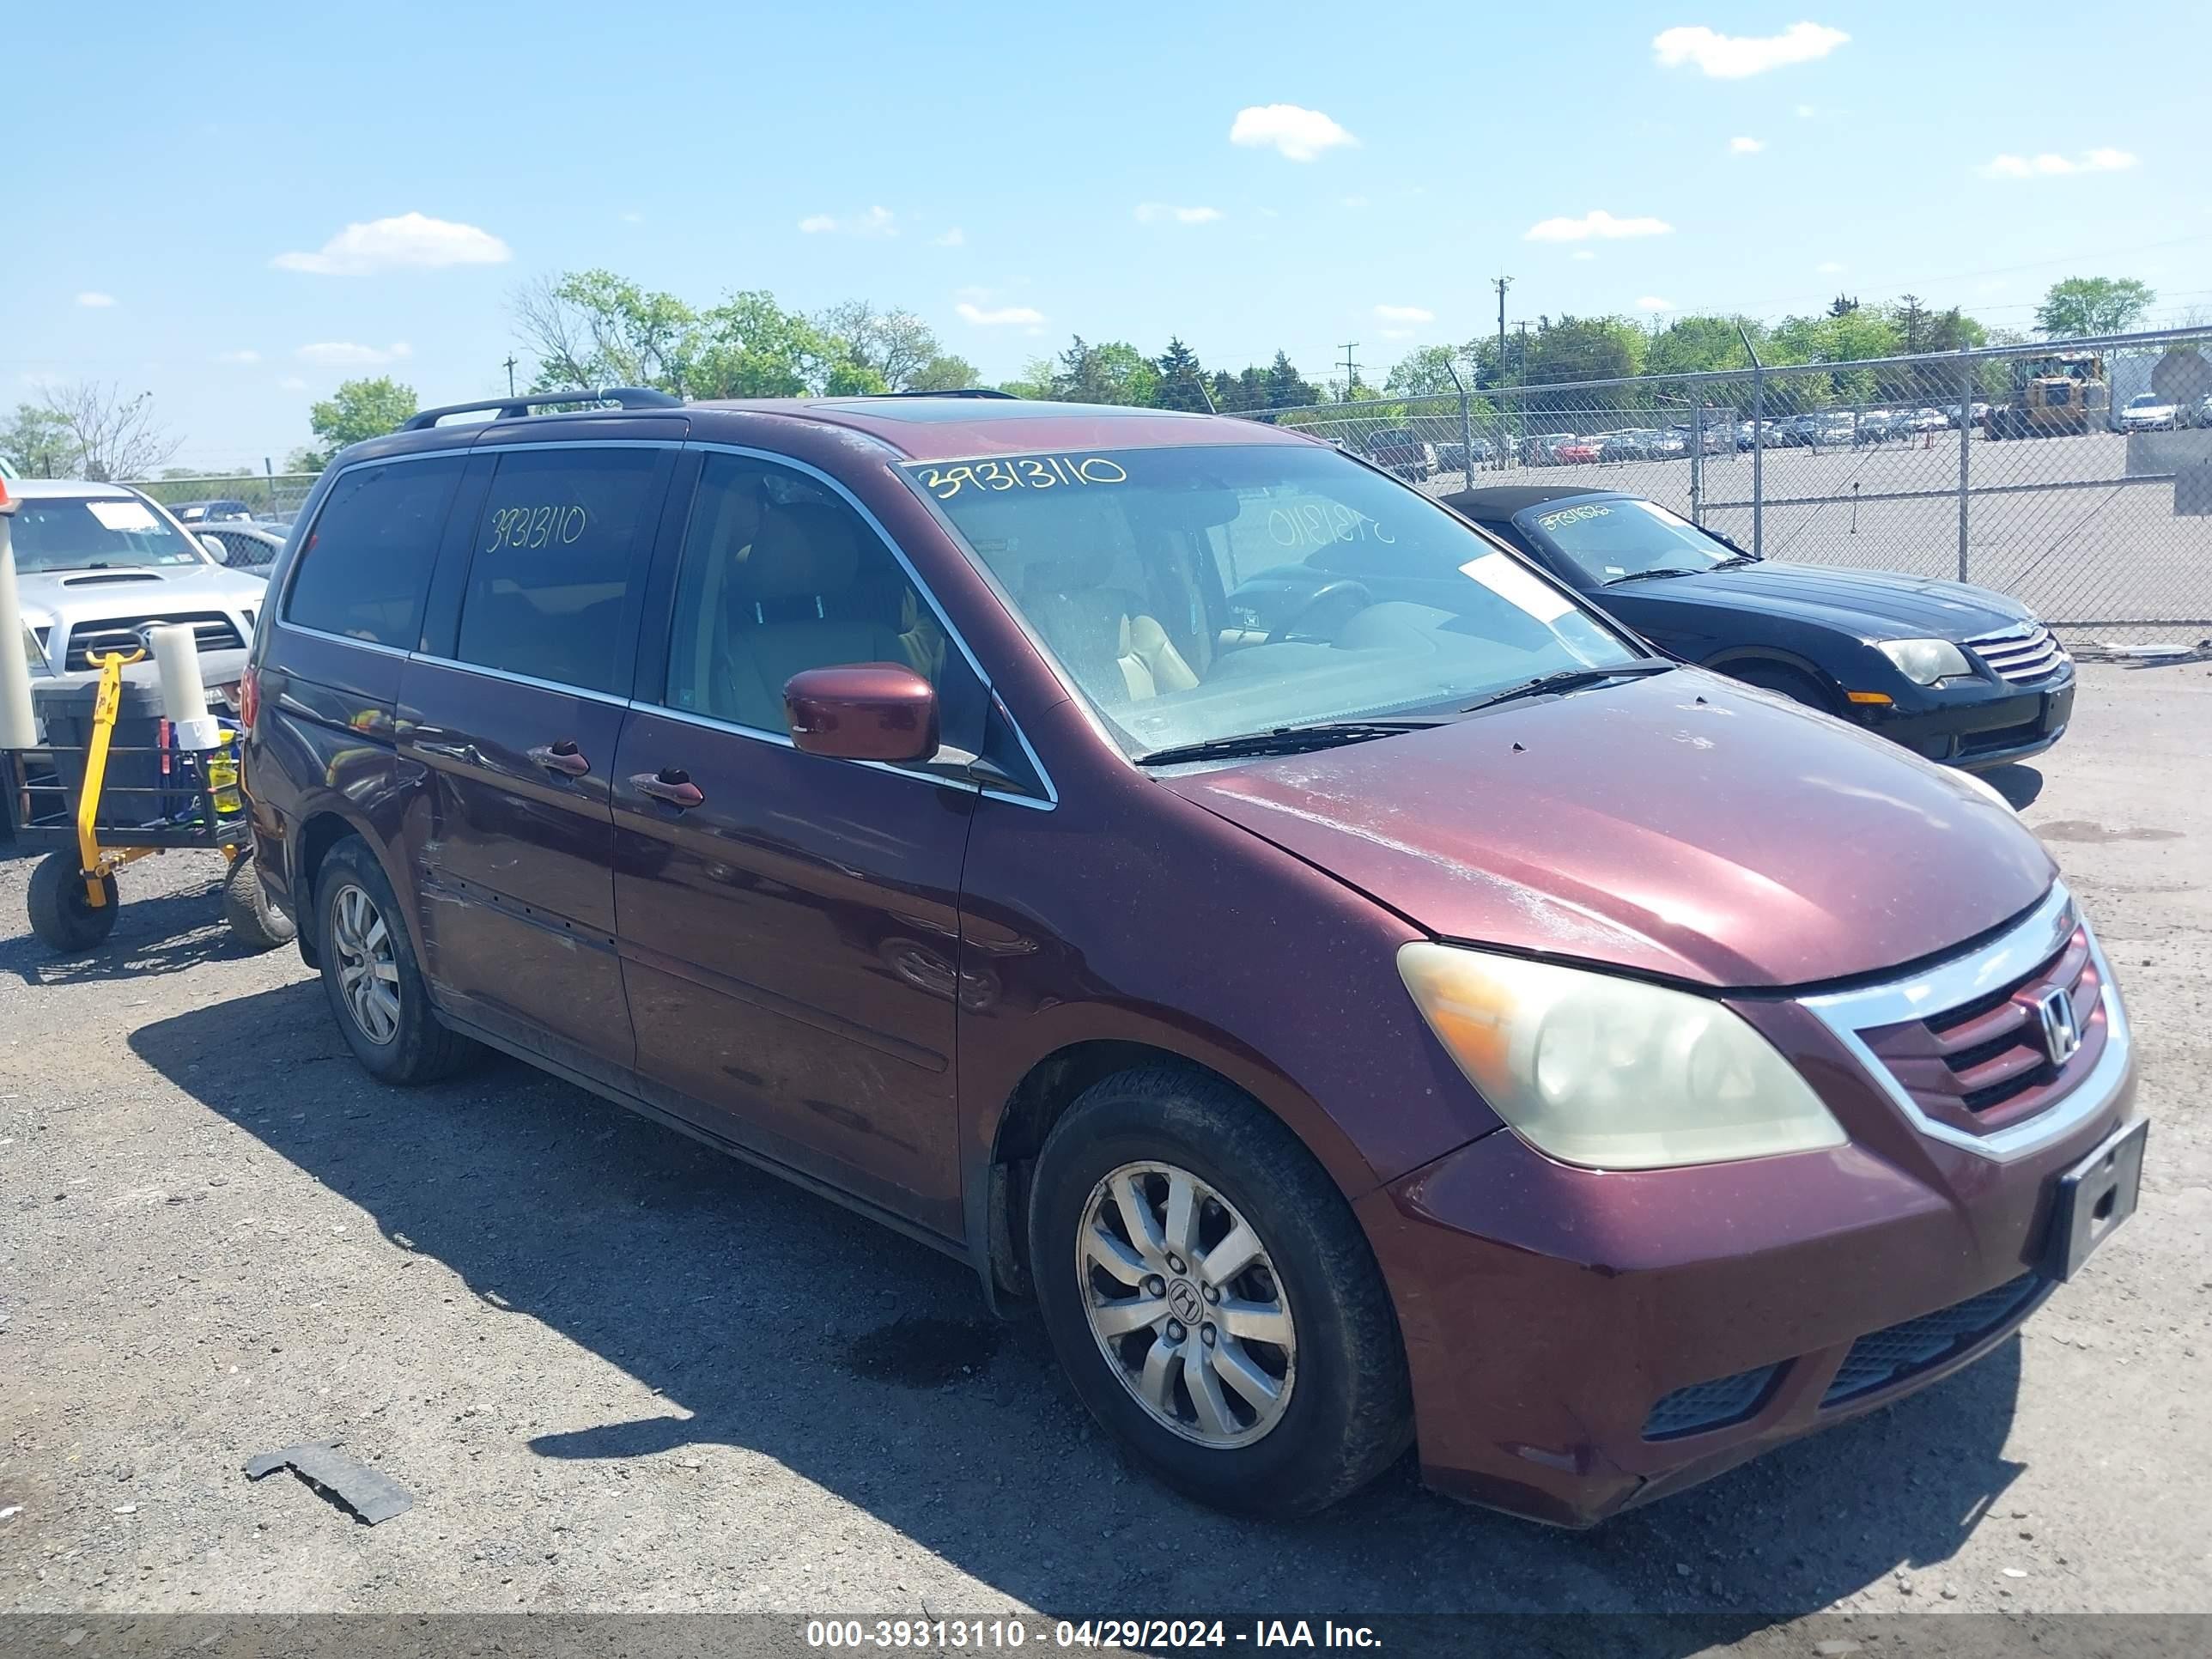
(2019, 654)
(211, 631)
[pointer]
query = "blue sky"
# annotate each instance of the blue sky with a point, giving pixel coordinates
(181, 183)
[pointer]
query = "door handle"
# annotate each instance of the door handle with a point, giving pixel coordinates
(561, 757)
(670, 784)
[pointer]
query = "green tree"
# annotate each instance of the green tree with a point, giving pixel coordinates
(593, 328)
(38, 442)
(1182, 380)
(1585, 349)
(1843, 305)
(1287, 387)
(1698, 345)
(751, 347)
(1115, 373)
(1423, 373)
(946, 371)
(2082, 306)
(896, 346)
(357, 410)
(1035, 381)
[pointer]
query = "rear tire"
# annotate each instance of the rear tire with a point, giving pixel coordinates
(1283, 1388)
(378, 993)
(60, 916)
(254, 922)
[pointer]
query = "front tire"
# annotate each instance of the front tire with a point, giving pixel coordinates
(376, 988)
(1212, 1297)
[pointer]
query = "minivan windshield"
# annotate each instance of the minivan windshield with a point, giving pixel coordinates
(1201, 592)
(1620, 539)
(93, 532)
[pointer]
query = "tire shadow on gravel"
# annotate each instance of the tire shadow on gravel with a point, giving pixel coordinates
(164, 933)
(771, 1320)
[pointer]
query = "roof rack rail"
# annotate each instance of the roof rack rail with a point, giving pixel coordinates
(962, 391)
(515, 408)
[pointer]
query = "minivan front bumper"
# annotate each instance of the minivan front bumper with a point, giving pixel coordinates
(1583, 1341)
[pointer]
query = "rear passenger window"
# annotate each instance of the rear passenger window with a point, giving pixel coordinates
(367, 560)
(558, 550)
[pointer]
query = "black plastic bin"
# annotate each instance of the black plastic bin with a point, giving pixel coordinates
(136, 790)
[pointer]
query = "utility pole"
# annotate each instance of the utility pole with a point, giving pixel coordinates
(1501, 283)
(509, 366)
(1350, 370)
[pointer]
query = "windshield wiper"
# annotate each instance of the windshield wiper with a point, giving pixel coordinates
(1646, 575)
(1569, 679)
(1735, 561)
(1283, 740)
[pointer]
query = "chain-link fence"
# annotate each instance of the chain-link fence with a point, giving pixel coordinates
(2075, 475)
(268, 498)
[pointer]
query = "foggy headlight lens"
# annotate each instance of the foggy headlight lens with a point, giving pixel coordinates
(1925, 661)
(34, 654)
(1610, 1073)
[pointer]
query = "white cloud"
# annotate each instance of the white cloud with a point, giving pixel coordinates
(1355, 201)
(97, 302)
(1157, 213)
(247, 355)
(1296, 132)
(1404, 315)
(955, 237)
(1746, 146)
(1732, 57)
(1829, 267)
(2048, 165)
(875, 222)
(1597, 222)
(998, 316)
(1653, 302)
(340, 353)
(411, 242)
(1583, 254)
(291, 383)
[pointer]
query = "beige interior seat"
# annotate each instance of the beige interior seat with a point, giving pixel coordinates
(1119, 653)
(793, 602)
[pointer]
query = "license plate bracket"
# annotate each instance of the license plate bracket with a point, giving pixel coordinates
(2093, 1197)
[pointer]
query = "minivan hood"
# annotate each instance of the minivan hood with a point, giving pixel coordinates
(1682, 825)
(1868, 604)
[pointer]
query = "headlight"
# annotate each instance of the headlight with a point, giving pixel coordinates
(1925, 661)
(1610, 1073)
(34, 654)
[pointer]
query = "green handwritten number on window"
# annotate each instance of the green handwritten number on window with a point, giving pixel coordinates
(528, 527)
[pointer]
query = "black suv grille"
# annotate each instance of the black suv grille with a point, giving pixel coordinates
(213, 630)
(1881, 1357)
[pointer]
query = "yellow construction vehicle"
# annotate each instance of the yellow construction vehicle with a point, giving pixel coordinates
(2060, 394)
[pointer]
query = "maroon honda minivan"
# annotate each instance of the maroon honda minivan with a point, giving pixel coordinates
(1355, 1023)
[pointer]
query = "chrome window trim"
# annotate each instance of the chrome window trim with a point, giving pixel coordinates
(2025, 944)
(381, 649)
(485, 670)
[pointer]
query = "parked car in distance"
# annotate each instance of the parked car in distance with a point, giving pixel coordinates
(1956, 673)
(1402, 451)
(1533, 1049)
(1543, 450)
(1577, 452)
(1623, 446)
(251, 547)
(96, 564)
(2148, 412)
(1452, 457)
(217, 512)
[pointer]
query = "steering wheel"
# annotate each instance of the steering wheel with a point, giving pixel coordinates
(1341, 589)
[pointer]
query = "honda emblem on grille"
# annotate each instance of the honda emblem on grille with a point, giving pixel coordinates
(2061, 1037)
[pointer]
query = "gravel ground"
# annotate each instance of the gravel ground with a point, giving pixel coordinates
(620, 1373)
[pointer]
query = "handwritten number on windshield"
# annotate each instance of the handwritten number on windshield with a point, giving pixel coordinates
(1021, 472)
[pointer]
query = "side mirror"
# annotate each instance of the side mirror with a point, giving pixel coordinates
(214, 549)
(874, 711)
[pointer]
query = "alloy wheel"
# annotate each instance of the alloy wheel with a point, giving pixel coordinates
(367, 972)
(1185, 1305)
